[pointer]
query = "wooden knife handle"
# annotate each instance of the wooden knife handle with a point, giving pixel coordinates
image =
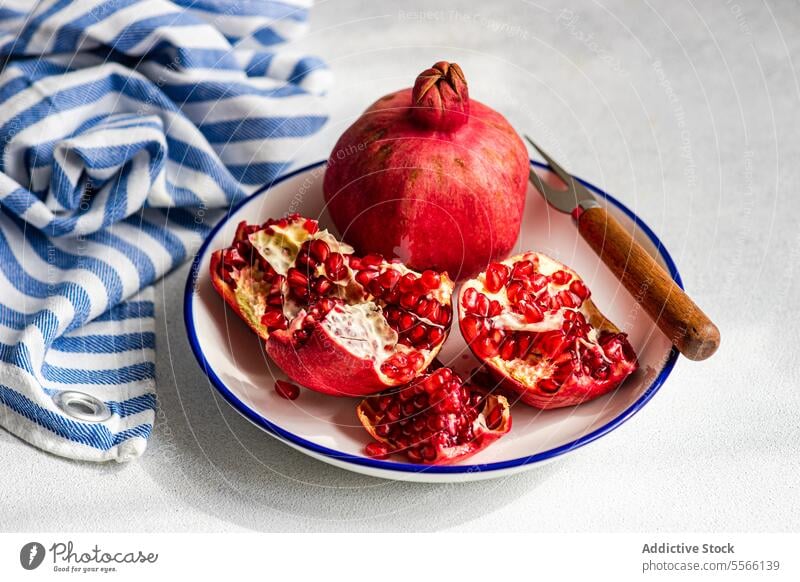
(689, 329)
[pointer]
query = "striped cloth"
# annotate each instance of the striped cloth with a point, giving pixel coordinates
(123, 125)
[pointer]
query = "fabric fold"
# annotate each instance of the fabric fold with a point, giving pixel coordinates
(123, 126)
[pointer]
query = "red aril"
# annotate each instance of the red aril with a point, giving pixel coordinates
(542, 336)
(287, 390)
(331, 320)
(437, 419)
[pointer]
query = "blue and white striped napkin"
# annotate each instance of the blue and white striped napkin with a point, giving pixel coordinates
(123, 123)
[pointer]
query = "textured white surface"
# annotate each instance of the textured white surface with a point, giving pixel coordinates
(688, 113)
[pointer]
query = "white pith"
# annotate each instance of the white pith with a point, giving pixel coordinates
(362, 330)
(528, 370)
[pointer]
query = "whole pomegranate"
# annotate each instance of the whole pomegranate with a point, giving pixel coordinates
(333, 321)
(430, 176)
(529, 318)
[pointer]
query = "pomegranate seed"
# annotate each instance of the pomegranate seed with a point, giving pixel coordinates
(522, 270)
(513, 290)
(496, 277)
(537, 282)
(472, 327)
(364, 277)
(417, 333)
(566, 299)
(405, 321)
(486, 346)
(372, 260)
(508, 351)
(494, 418)
(470, 299)
(578, 288)
(531, 313)
(273, 319)
(549, 386)
(287, 390)
(435, 335)
(482, 305)
(409, 300)
(319, 249)
(415, 360)
(495, 308)
(389, 278)
(560, 277)
(334, 263)
(424, 307)
(322, 285)
(296, 278)
(407, 282)
(431, 280)
(311, 226)
(377, 450)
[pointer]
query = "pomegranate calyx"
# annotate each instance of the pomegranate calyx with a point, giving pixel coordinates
(440, 98)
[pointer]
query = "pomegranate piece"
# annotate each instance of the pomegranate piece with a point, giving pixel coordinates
(530, 319)
(432, 175)
(334, 322)
(437, 419)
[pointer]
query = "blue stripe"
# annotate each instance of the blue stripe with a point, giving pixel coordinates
(70, 34)
(260, 173)
(259, 64)
(136, 32)
(32, 286)
(128, 310)
(272, 10)
(174, 57)
(197, 159)
(33, 25)
(140, 260)
(133, 406)
(267, 36)
(262, 127)
(65, 261)
(216, 91)
(162, 236)
(105, 343)
(93, 435)
(122, 375)
(18, 201)
(304, 67)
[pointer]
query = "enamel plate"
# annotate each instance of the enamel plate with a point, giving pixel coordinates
(326, 427)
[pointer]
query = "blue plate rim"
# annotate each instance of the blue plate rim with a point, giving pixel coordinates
(276, 430)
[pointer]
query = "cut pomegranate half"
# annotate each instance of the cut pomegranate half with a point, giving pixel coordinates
(530, 320)
(334, 322)
(437, 419)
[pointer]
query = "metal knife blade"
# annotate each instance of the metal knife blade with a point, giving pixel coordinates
(567, 199)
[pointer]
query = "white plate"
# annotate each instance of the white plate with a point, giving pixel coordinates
(326, 427)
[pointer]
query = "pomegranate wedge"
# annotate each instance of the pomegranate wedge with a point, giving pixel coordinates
(332, 321)
(437, 419)
(530, 320)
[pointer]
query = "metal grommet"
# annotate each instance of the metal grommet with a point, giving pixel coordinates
(82, 406)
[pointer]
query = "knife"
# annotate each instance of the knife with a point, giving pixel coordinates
(682, 321)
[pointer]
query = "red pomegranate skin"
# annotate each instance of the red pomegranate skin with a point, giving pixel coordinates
(434, 191)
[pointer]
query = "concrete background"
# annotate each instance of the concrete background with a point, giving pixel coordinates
(685, 111)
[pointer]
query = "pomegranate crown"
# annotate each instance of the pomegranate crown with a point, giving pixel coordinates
(440, 99)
